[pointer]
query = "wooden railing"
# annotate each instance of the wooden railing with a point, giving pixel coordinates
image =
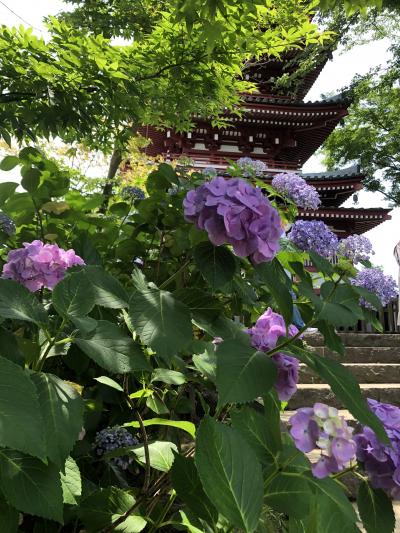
(386, 316)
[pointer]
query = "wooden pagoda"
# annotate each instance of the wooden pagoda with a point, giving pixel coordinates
(283, 131)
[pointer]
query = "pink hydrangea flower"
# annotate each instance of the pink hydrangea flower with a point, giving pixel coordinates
(38, 265)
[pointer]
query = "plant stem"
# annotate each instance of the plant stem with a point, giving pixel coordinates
(168, 281)
(52, 342)
(164, 513)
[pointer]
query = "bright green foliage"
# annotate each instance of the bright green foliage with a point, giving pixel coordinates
(375, 509)
(369, 133)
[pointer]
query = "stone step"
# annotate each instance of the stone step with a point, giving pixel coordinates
(358, 339)
(362, 354)
(308, 394)
(363, 372)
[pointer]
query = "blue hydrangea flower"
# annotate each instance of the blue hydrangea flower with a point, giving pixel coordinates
(375, 281)
(209, 172)
(251, 167)
(133, 192)
(113, 438)
(314, 236)
(356, 248)
(297, 189)
(7, 224)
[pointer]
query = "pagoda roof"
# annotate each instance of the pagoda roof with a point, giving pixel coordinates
(346, 221)
(344, 174)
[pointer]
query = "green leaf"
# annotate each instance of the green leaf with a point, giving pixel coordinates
(7, 189)
(162, 322)
(290, 495)
(243, 373)
(30, 485)
(113, 350)
(186, 482)
(31, 179)
(278, 283)
(322, 264)
(337, 498)
(74, 296)
(171, 377)
(368, 296)
(9, 162)
(261, 432)
(108, 292)
(376, 509)
(230, 473)
(216, 264)
(161, 455)
(9, 348)
(331, 338)
(105, 380)
(206, 362)
(345, 387)
(71, 482)
(18, 303)
(189, 427)
(9, 517)
(20, 411)
(199, 302)
(105, 506)
(62, 410)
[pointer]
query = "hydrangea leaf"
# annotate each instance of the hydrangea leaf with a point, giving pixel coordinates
(20, 411)
(9, 347)
(285, 488)
(9, 517)
(71, 482)
(376, 509)
(161, 455)
(172, 377)
(74, 296)
(30, 485)
(189, 427)
(187, 484)
(105, 506)
(230, 473)
(18, 303)
(216, 264)
(110, 348)
(278, 283)
(108, 292)
(162, 322)
(62, 410)
(243, 373)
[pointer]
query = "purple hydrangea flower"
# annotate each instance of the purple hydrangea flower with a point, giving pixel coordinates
(7, 224)
(374, 280)
(297, 189)
(233, 211)
(113, 438)
(133, 192)
(356, 248)
(313, 236)
(380, 462)
(320, 427)
(38, 265)
(251, 167)
(264, 336)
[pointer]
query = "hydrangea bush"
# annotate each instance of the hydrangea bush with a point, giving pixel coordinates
(315, 236)
(141, 387)
(297, 189)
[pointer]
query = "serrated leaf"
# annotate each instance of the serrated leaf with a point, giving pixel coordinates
(216, 264)
(18, 303)
(162, 322)
(161, 455)
(189, 427)
(71, 482)
(243, 373)
(105, 380)
(108, 291)
(74, 296)
(9, 348)
(20, 411)
(112, 349)
(30, 485)
(230, 473)
(285, 488)
(105, 506)
(376, 509)
(62, 410)
(171, 377)
(186, 482)
(278, 283)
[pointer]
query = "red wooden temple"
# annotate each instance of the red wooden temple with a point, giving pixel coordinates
(283, 131)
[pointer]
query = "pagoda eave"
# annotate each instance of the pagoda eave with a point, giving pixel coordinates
(347, 221)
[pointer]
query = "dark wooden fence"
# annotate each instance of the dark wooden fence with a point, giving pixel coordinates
(386, 316)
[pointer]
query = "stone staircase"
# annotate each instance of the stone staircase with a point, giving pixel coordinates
(374, 360)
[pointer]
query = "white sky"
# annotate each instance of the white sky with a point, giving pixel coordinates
(336, 74)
